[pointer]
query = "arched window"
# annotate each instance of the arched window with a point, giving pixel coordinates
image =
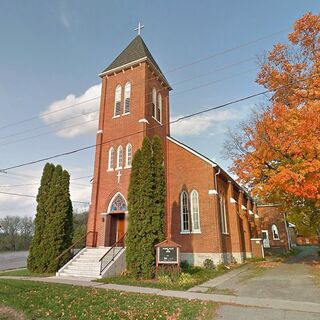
(127, 94)
(275, 232)
(117, 204)
(128, 155)
(117, 101)
(159, 113)
(110, 158)
(119, 157)
(184, 205)
(195, 211)
(223, 214)
(154, 103)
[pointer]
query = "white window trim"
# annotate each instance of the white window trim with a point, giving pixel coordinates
(278, 238)
(191, 211)
(118, 116)
(154, 102)
(224, 230)
(159, 107)
(118, 158)
(115, 101)
(156, 120)
(127, 158)
(125, 97)
(110, 168)
(186, 231)
(126, 114)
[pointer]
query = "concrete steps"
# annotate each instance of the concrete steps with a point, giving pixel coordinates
(84, 264)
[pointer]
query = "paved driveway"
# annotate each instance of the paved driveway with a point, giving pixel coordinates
(280, 286)
(293, 280)
(13, 260)
(287, 281)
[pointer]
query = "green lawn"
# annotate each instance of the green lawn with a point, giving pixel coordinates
(59, 301)
(191, 277)
(24, 273)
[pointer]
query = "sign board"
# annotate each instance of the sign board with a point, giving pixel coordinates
(168, 255)
(168, 252)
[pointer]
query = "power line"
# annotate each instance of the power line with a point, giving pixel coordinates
(18, 175)
(31, 196)
(46, 133)
(90, 120)
(38, 183)
(160, 125)
(96, 110)
(47, 125)
(169, 71)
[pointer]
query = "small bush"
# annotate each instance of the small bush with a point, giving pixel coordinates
(185, 265)
(221, 267)
(165, 279)
(208, 264)
(171, 272)
(185, 278)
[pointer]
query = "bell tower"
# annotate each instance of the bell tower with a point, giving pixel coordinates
(134, 104)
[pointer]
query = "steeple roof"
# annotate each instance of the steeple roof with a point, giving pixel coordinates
(135, 51)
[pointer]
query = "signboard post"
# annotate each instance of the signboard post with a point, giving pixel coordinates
(168, 253)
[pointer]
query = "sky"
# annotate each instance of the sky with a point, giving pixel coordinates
(52, 52)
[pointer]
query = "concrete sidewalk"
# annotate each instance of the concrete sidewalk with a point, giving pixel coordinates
(276, 304)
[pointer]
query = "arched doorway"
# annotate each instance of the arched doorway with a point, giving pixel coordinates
(117, 210)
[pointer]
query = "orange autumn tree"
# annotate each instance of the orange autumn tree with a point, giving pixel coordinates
(276, 153)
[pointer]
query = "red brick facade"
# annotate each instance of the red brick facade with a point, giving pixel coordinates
(186, 170)
(274, 229)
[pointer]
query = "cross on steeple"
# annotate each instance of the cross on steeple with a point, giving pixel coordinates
(139, 28)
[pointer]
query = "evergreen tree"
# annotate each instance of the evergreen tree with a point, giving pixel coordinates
(54, 225)
(146, 208)
(133, 237)
(58, 228)
(160, 189)
(35, 251)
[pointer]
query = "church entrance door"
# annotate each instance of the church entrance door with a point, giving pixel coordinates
(120, 227)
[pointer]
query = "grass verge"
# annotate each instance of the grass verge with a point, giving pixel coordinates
(24, 273)
(191, 277)
(60, 301)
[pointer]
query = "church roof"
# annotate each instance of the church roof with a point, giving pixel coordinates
(137, 50)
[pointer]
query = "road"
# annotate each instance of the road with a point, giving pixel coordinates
(13, 260)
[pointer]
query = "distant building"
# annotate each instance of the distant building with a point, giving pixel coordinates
(277, 234)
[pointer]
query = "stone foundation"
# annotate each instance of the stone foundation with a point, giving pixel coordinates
(197, 259)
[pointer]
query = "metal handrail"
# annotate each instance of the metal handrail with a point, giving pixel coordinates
(74, 244)
(112, 248)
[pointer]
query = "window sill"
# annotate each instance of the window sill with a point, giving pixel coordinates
(276, 239)
(184, 232)
(114, 117)
(119, 168)
(109, 170)
(196, 232)
(126, 114)
(127, 167)
(156, 120)
(225, 233)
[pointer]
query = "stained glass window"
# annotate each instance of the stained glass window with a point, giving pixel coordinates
(118, 204)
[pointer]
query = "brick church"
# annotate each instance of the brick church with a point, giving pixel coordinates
(211, 216)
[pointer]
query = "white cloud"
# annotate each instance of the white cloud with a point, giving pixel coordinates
(78, 115)
(199, 124)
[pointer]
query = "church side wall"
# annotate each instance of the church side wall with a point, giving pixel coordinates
(274, 215)
(186, 172)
